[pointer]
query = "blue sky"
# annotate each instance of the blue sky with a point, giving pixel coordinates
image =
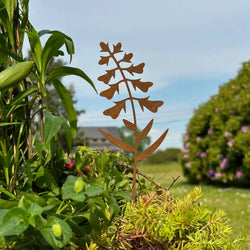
(189, 48)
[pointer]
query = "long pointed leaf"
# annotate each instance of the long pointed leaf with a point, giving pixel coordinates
(36, 47)
(152, 148)
(129, 125)
(117, 142)
(64, 71)
(144, 132)
(67, 104)
(51, 49)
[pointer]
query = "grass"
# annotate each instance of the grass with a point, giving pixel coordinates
(234, 201)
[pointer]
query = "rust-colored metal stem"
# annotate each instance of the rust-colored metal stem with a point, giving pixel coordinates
(133, 193)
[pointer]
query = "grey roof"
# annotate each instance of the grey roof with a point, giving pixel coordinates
(94, 138)
(94, 133)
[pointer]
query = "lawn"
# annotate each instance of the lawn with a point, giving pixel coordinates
(234, 201)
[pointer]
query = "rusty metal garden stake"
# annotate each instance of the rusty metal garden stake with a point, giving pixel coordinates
(114, 111)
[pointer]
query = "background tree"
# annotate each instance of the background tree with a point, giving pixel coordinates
(128, 136)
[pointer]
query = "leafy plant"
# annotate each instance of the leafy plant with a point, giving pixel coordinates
(164, 222)
(89, 195)
(216, 144)
(114, 111)
(20, 93)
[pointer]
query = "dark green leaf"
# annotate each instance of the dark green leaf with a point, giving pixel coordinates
(51, 49)
(67, 104)
(61, 71)
(52, 125)
(36, 47)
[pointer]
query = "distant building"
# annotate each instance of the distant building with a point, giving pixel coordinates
(93, 138)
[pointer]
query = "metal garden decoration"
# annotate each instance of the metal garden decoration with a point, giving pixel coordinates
(131, 84)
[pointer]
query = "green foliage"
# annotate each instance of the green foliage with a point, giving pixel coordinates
(69, 212)
(217, 141)
(164, 222)
(161, 157)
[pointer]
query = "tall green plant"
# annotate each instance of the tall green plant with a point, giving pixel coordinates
(19, 93)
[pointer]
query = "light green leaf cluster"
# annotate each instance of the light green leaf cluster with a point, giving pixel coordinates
(164, 222)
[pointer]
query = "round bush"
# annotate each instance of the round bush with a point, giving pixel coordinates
(217, 140)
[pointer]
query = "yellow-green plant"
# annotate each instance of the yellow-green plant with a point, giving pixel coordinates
(165, 222)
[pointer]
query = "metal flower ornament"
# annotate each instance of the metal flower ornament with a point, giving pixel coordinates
(127, 78)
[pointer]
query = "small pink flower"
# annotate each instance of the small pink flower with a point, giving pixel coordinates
(198, 139)
(227, 134)
(186, 137)
(184, 150)
(239, 174)
(245, 86)
(188, 164)
(233, 112)
(187, 145)
(186, 156)
(217, 175)
(216, 110)
(197, 154)
(209, 131)
(244, 129)
(230, 143)
(203, 155)
(70, 163)
(223, 163)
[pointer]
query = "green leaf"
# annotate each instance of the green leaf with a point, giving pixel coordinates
(92, 190)
(52, 125)
(123, 194)
(31, 207)
(45, 179)
(68, 190)
(49, 235)
(6, 22)
(2, 124)
(51, 49)
(67, 104)
(36, 47)
(2, 214)
(14, 222)
(68, 136)
(3, 190)
(61, 71)
(10, 6)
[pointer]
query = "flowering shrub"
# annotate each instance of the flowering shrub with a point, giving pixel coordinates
(217, 140)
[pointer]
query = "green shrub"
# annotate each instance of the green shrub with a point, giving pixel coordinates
(164, 222)
(217, 141)
(160, 156)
